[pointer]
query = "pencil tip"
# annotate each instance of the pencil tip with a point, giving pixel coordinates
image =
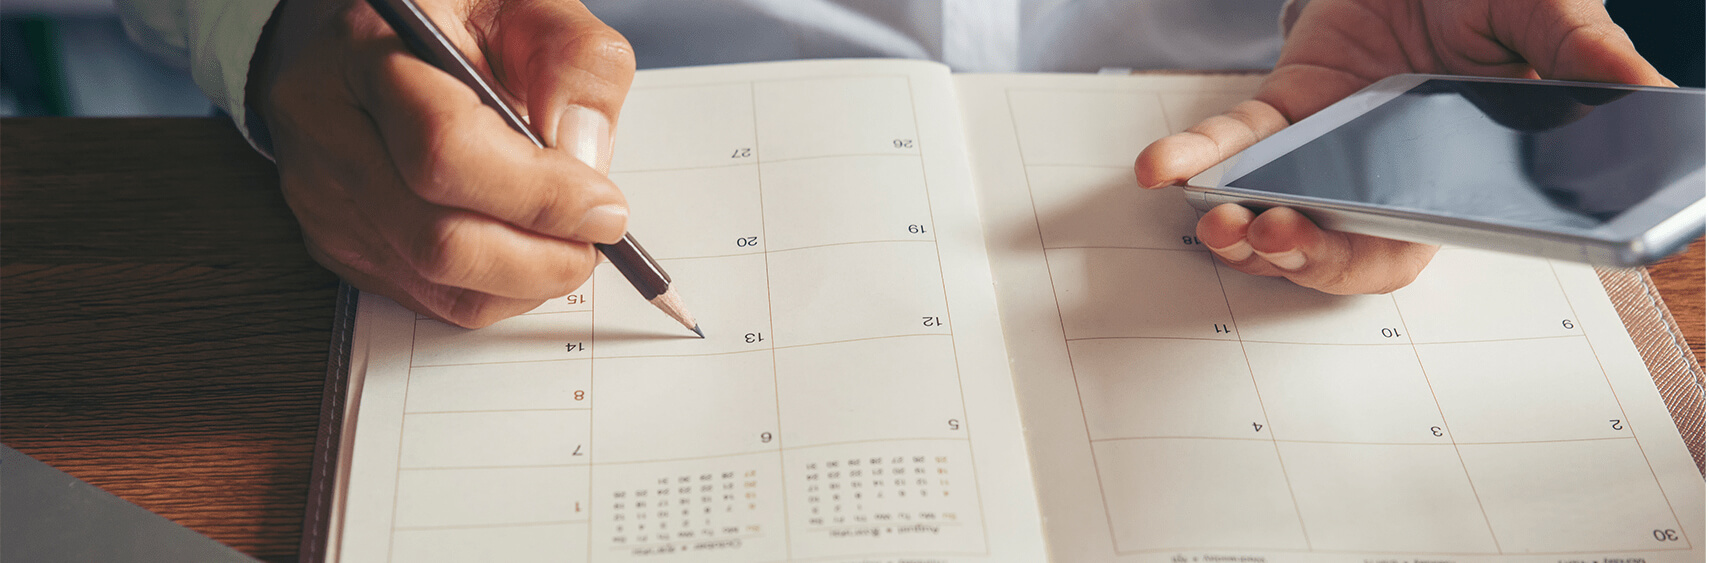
(671, 304)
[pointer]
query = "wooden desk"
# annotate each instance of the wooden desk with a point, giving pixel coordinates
(165, 335)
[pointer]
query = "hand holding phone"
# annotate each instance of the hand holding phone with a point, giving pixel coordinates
(1336, 47)
(1597, 173)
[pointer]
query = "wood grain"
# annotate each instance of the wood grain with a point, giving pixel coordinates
(1680, 280)
(165, 335)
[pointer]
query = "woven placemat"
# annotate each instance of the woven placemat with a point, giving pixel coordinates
(1673, 367)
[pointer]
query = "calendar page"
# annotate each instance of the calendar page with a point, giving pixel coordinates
(1177, 410)
(851, 400)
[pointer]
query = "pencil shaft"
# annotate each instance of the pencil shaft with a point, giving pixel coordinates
(637, 266)
(429, 44)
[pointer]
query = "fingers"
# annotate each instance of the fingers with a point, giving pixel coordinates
(453, 151)
(1571, 40)
(347, 241)
(452, 305)
(1281, 242)
(1176, 158)
(362, 222)
(571, 69)
(456, 266)
(457, 248)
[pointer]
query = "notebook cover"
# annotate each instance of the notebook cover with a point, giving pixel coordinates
(323, 480)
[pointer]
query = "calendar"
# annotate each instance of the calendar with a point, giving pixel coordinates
(943, 325)
(1178, 410)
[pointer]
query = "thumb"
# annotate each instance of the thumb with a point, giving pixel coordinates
(570, 69)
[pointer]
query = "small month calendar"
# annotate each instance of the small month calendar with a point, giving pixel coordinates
(944, 325)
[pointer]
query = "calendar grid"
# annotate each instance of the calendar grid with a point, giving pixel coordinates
(1258, 548)
(701, 457)
(475, 411)
(960, 386)
(1264, 410)
(1087, 331)
(532, 478)
(758, 160)
(1351, 443)
(592, 341)
(1600, 368)
(497, 525)
(771, 326)
(1447, 427)
(1293, 343)
(391, 538)
(1062, 322)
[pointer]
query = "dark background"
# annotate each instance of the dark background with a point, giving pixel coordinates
(1667, 32)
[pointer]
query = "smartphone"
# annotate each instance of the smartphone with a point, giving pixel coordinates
(1598, 173)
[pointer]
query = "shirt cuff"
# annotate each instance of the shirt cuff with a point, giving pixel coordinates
(229, 31)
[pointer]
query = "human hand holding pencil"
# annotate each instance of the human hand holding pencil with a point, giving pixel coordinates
(409, 186)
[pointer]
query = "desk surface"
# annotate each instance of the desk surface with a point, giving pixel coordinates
(165, 335)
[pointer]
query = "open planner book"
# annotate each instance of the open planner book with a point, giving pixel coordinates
(944, 325)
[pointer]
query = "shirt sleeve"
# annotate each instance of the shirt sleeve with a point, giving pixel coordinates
(214, 39)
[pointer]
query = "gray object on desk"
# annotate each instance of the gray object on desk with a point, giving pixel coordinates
(48, 516)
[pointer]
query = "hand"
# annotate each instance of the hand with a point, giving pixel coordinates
(408, 186)
(1339, 46)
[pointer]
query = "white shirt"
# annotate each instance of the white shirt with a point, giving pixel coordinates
(216, 38)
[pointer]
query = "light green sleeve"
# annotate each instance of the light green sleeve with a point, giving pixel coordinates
(214, 39)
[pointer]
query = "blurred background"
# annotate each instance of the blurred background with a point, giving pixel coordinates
(71, 58)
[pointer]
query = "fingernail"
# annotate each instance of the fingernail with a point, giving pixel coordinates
(1290, 260)
(603, 224)
(586, 134)
(1236, 252)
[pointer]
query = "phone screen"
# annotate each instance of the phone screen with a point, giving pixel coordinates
(1555, 157)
